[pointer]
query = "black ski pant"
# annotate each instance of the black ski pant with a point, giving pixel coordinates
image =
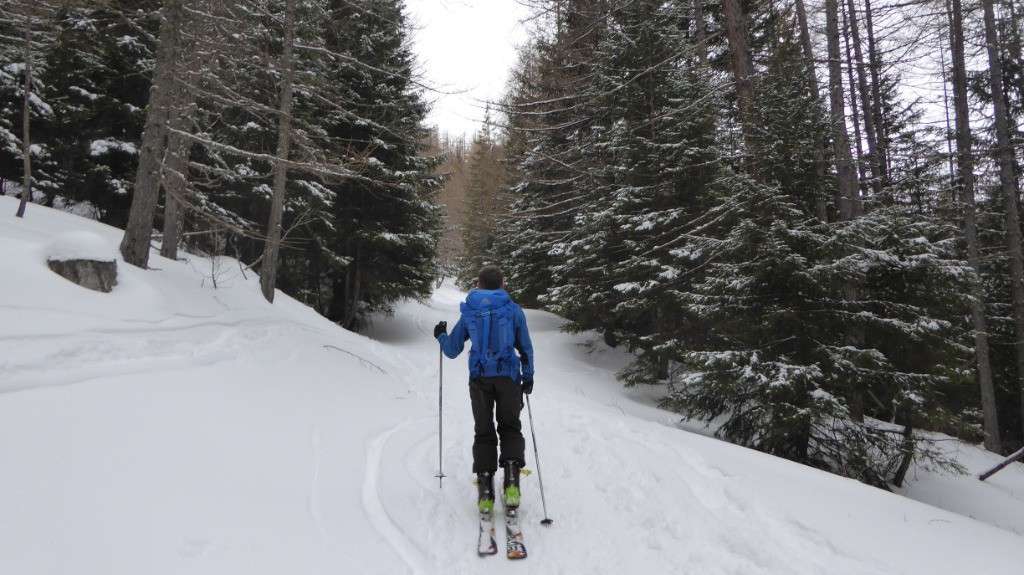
(501, 398)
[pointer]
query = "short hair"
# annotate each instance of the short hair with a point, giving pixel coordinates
(490, 277)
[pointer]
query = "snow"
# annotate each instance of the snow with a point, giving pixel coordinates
(80, 245)
(173, 427)
(101, 147)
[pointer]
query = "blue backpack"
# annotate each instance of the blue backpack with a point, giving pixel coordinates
(493, 334)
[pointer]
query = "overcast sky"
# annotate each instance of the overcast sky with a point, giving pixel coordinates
(466, 48)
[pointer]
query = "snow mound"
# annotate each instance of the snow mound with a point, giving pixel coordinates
(184, 426)
(79, 245)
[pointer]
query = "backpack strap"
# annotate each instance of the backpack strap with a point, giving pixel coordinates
(485, 338)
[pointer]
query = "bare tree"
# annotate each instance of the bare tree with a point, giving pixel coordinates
(175, 172)
(1004, 158)
(849, 205)
(965, 161)
(866, 105)
(875, 66)
(743, 74)
(139, 230)
(27, 34)
(26, 141)
(821, 208)
(848, 202)
(268, 269)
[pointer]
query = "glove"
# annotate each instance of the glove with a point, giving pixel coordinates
(441, 327)
(528, 386)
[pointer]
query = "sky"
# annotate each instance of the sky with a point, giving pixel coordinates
(466, 48)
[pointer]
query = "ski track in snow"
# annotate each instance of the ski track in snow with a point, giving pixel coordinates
(315, 507)
(382, 521)
(69, 358)
(266, 475)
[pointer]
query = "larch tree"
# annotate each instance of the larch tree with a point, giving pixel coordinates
(139, 230)
(286, 72)
(966, 187)
(485, 202)
(1007, 184)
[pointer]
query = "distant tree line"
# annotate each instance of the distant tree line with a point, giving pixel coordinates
(752, 198)
(287, 133)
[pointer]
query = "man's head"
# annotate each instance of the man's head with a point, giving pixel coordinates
(490, 278)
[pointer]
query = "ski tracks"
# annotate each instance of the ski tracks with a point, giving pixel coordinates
(315, 509)
(677, 505)
(62, 359)
(378, 514)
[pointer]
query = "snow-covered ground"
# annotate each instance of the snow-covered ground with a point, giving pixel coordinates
(176, 427)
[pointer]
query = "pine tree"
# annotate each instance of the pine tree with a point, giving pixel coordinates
(24, 32)
(97, 86)
(384, 229)
(652, 148)
(778, 364)
(550, 111)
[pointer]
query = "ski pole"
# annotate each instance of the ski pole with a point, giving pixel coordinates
(440, 417)
(536, 457)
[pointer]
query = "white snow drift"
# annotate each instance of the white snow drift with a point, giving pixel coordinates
(173, 427)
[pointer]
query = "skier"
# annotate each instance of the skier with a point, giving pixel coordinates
(496, 327)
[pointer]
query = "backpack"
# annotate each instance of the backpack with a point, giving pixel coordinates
(492, 332)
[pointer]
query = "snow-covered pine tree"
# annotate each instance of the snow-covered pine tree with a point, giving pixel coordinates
(383, 231)
(97, 84)
(759, 364)
(653, 157)
(778, 364)
(550, 111)
(25, 30)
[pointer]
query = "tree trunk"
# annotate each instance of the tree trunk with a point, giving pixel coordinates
(1015, 457)
(875, 66)
(268, 271)
(821, 208)
(139, 231)
(866, 106)
(954, 199)
(743, 73)
(854, 108)
(1004, 157)
(847, 200)
(355, 293)
(26, 112)
(965, 161)
(908, 449)
(175, 173)
(702, 41)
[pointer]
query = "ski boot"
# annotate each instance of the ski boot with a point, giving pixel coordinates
(511, 491)
(485, 492)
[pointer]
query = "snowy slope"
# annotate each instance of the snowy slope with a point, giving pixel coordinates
(176, 427)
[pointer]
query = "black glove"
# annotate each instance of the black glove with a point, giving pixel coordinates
(441, 327)
(528, 386)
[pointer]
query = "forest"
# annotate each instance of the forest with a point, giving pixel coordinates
(288, 135)
(802, 218)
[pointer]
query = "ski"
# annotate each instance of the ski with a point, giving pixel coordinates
(515, 548)
(487, 545)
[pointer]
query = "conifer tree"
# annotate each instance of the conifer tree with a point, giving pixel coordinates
(550, 110)
(97, 85)
(24, 33)
(652, 148)
(778, 364)
(384, 229)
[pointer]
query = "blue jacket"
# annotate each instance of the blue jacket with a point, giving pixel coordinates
(453, 343)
